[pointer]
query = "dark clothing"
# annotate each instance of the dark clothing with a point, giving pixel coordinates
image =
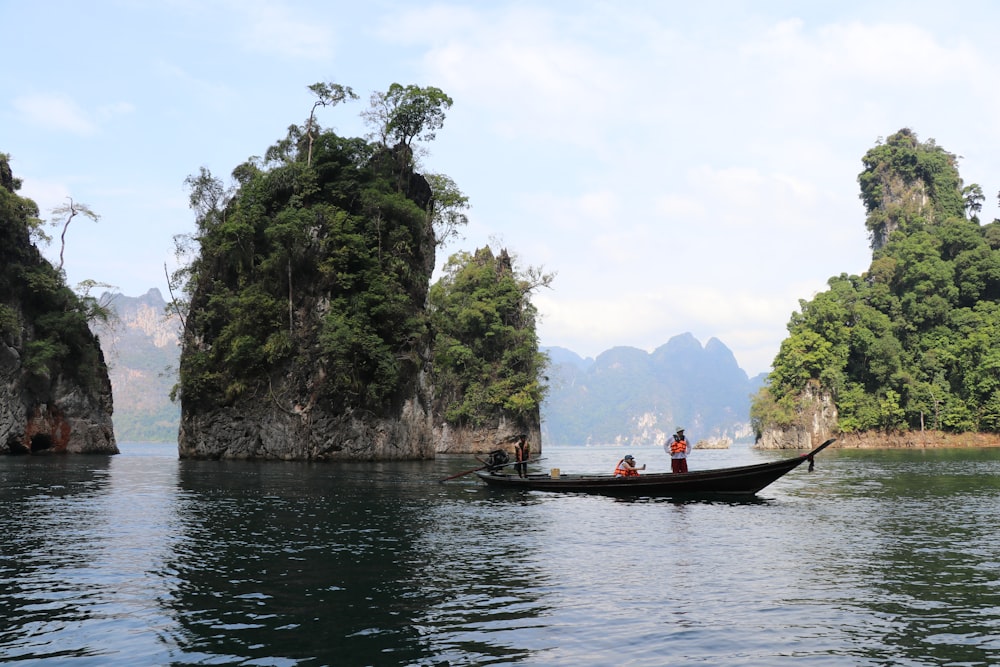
(678, 465)
(521, 454)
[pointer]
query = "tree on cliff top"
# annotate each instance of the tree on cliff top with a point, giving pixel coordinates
(325, 223)
(54, 330)
(908, 185)
(915, 341)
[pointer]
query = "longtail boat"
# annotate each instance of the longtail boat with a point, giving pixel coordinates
(738, 481)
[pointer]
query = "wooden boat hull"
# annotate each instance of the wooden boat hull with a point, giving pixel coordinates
(738, 481)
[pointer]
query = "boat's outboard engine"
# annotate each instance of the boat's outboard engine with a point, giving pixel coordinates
(496, 460)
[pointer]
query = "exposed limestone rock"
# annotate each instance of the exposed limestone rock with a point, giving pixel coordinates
(458, 440)
(256, 433)
(815, 423)
(915, 440)
(59, 416)
(140, 343)
(292, 419)
(55, 395)
(714, 443)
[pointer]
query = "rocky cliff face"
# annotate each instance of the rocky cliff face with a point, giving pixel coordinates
(55, 417)
(482, 440)
(815, 423)
(55, 395)
(292, 417)
(304, 432)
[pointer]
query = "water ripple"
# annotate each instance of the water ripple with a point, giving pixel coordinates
(874, 559)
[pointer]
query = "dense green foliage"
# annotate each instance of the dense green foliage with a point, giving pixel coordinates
(915, 341)
(55, 319)
(486, 357)
(907, 185)
(291, 237)
(346, 229)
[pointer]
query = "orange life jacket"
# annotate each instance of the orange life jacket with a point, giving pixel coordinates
(622, 471)
(678, 446)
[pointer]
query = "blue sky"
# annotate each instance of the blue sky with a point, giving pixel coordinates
(680, 168)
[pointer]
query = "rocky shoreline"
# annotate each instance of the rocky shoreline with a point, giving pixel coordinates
(915, 440)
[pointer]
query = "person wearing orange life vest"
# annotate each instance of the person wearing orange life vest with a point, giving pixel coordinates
(627, 468)
(678, 447)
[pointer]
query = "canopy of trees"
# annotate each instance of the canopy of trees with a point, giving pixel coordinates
(324, 224)
(915, 341)
(321, 257)
(486, 357)
(36, 306)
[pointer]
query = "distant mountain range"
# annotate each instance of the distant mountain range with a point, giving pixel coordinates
(632, 397)
(625, 395)
(141, 347)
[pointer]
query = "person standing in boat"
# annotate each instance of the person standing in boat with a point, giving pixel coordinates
(522, 452)
(627, 468)
(678, 447)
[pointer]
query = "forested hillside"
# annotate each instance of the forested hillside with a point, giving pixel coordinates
(309, 333)
(486, 364)
(914, 342)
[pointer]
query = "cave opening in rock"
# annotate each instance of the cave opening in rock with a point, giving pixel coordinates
(40, 442)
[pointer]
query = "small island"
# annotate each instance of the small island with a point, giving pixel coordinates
(312, 331)
(908, 353)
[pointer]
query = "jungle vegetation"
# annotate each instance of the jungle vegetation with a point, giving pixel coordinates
(914, 342)
(486, 357)
(321, 252)
(37, 308)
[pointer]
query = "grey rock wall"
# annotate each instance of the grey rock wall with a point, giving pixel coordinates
(59, 416)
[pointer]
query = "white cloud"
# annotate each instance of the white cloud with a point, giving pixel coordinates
(54, 111)
(215, 95)
(520, 63)
(269, 27)
(110, 111)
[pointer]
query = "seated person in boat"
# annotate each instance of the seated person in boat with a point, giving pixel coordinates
(627, 468)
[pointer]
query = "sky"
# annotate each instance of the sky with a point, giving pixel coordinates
(680, 167)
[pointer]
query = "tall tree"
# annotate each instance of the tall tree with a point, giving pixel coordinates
(446, 207)
(403, 114)
(69, 211)
(327, 95)
(974, 198)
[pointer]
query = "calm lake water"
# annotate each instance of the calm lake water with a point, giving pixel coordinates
(875, 558)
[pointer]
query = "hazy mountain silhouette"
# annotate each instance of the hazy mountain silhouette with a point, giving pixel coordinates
(630, 396)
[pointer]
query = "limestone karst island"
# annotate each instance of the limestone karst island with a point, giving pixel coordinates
(309, 327)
